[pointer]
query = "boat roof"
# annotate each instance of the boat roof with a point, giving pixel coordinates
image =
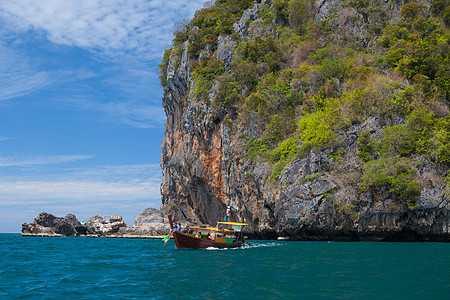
(204, 228)
(212, 228)
(219, 229)
(232, 223)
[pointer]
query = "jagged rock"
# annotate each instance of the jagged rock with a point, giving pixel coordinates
(98, 225)
(148, 216)
(225, 50)
(66, 226)
(150, 223)
(248, 16)
(48, 224)
(149, 229)
(93, 223)
(46, 219)
(36, 229)
(326, 8)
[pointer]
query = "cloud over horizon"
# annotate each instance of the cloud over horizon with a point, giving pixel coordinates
(84, 191)
(102, 184)
(34, 161)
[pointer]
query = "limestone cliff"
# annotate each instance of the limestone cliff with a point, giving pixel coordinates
(317, 194)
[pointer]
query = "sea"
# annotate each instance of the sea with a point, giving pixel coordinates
(114, 268)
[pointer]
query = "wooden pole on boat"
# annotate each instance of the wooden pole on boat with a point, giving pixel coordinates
(170, 221)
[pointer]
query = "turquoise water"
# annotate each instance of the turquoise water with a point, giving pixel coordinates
(95, 268)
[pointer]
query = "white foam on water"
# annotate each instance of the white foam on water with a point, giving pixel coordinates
(254, 245)
(215, 249)
(246, 246)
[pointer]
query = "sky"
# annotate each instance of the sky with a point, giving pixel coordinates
(81, 120)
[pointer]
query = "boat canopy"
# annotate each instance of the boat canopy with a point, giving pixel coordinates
(204, 228)
(232, 223)
(212, 228)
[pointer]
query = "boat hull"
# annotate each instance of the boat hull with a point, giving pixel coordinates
(183, 240)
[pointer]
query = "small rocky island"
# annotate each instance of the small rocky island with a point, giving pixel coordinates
(148, 224)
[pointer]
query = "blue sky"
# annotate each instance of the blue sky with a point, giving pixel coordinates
(81, 120)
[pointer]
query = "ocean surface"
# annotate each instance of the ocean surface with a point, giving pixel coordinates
(100, 268)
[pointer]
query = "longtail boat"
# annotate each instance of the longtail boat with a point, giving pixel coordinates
(224, 235)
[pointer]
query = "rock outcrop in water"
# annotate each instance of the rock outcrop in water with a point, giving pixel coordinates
(205, 156)
(48, 224)
(149, 223)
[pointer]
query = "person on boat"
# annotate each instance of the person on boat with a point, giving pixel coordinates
(197, 233)
(212, 235)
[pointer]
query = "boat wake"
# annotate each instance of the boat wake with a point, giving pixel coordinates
(246, 246)
(259, 245)
(218, 249)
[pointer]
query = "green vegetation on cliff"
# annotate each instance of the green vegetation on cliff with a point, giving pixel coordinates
(305, 81)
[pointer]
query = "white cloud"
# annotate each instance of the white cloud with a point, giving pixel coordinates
(133, 99)
(133, 113)
(21, 84)
(36, 161)
(142, 26)
(27, 192)
(85, 192)
(128, 34)
(16, 76)
(117, 172)
(100, 185)
(19, 77)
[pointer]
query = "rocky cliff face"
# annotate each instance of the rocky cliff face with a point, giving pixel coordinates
(206, 168)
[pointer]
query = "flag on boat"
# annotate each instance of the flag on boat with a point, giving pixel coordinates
(167, 237)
